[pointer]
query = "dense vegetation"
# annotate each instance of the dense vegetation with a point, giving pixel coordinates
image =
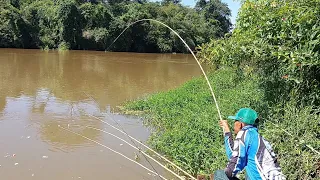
(280, 42)
(270, 62)
(94, 24)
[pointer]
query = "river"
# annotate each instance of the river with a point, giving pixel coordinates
(44, 93)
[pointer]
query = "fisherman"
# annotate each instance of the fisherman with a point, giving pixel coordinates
(249, 150)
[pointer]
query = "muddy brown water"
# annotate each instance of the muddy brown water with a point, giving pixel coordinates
(41, 90)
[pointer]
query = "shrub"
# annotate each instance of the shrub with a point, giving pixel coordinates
(280, 41)
(293, 132)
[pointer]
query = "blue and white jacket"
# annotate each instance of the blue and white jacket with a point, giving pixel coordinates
(251, 152)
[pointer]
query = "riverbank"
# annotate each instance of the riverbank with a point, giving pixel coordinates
(186, 124)
(94, 25)
(186, 121)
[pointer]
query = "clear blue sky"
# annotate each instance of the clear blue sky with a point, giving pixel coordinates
(234, 6)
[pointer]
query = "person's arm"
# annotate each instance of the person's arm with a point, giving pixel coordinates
(228, 141)
(238, 159)
(228, 144)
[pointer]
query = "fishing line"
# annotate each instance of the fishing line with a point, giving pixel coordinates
(203, 72)
(114, 151)
(136, 148)
(134, 139)
(214, 98)
(119, 125)
(153, 151)
(121, 139)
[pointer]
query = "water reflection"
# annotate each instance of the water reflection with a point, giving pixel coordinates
(51, 113)
(111, 78)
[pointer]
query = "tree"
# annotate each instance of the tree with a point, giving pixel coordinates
(217, 14)
(96, 15)
(10, 26)
(70, 23)
(89, 1)
(93, 24)
(171, 1)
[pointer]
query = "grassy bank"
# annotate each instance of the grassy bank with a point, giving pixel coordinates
(186, 129)
(186, 121)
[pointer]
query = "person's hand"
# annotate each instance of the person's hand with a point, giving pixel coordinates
(224, 125)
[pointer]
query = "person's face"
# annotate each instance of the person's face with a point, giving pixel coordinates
(237, 126)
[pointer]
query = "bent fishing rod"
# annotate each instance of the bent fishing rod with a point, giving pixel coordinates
(198, 62)
(189, 49)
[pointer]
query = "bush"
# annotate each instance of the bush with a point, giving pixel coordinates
(63, 46)
(293, 132)
(280, 41)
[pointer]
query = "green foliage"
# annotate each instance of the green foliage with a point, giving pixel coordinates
(96, 15)
(280, 41)
(186, 122)
(217, 14)
(10, 26)
(290, 132)
(95, 24)
(70, 22)
(47, 28)
(171, 1)
(97, 38)
(63, 46)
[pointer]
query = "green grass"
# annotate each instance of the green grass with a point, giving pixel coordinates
(186, 129)
(185, 120)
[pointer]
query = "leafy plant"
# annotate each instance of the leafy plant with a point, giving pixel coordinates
(278, 40)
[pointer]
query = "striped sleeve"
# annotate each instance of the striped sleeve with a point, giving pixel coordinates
(238, 159)
(228, 143)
